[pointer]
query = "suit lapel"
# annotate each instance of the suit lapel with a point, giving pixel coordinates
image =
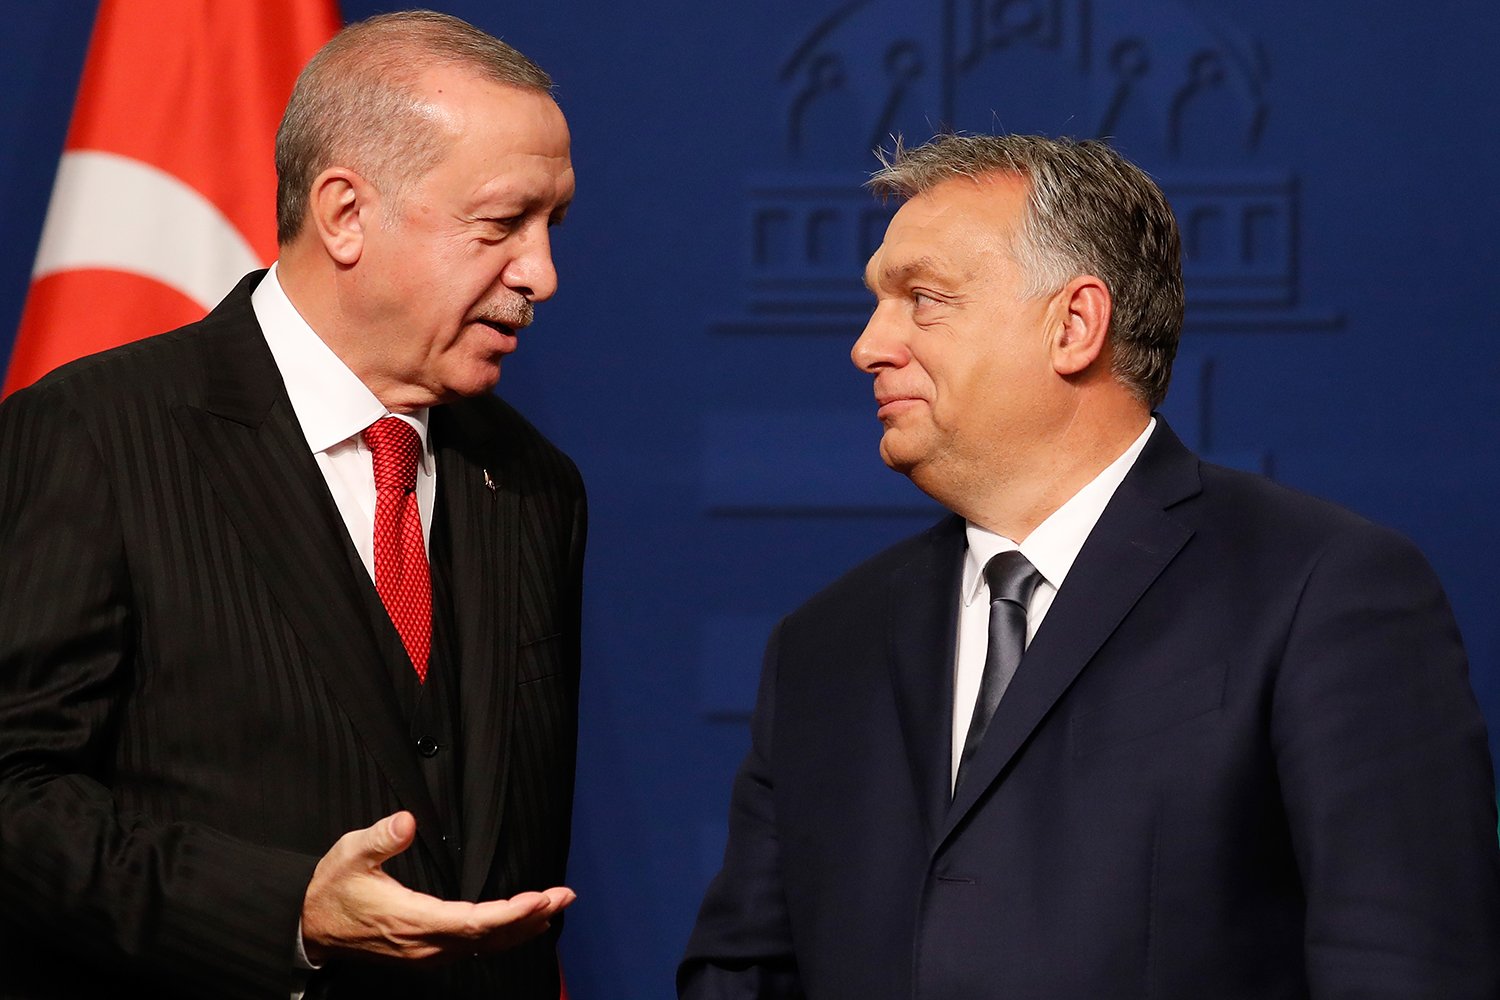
(483, 539)
(252, 451)
(1132, 543)
(923, 627)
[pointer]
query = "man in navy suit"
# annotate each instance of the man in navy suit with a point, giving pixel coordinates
(1126, 724)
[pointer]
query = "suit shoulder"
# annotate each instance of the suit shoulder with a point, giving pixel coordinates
(159, 367)
(1253, 512)
(528, 446)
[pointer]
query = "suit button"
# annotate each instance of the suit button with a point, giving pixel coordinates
(427, 747)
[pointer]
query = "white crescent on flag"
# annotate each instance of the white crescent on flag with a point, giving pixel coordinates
(166, 192)
(110, 212)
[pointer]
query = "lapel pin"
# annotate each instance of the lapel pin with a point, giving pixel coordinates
(489, 483)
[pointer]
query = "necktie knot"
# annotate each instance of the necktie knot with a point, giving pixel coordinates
(1011, 577)
(395, 446)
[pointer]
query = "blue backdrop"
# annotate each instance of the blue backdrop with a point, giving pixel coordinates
(1333, 168)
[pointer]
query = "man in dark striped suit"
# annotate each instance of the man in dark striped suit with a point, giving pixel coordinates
(289, 604)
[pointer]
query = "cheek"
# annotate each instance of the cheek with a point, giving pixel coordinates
(450, 259)
(974, 394)
(461, 285)
(477, 278)
(484, 257)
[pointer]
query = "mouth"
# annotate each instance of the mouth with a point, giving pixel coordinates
(506, 317)
(889, 404)
(506, 332)
(497, 326)
(895, 405)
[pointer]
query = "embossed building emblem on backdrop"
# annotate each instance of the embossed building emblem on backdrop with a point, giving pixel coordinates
(1180, 95)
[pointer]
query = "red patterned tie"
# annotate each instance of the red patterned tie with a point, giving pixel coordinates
(401, 575)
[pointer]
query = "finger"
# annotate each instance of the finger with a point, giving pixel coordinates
(386, 838)
(519, 931)
(561, 897)
(424, 927)
(495, 913)
(438, 920)
(418, 926)
(546, 902)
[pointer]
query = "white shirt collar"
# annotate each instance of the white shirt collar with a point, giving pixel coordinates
(1056, 542)
(331, 403)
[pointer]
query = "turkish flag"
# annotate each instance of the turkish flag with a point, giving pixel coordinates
(166, 192)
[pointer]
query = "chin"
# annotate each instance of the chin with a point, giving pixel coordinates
(476, 383)
(898, 460)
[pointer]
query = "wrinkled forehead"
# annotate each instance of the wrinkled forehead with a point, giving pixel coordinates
(955, 229)
(496, 136)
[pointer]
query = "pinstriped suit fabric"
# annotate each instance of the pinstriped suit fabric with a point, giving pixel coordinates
(193, 703)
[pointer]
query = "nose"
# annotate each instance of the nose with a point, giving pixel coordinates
(531, 272)
(880, 345)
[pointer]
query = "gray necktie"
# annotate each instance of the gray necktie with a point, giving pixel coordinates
(1011, 579)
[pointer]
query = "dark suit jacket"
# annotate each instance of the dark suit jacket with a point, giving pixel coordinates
(1240, 759)
(195, 701)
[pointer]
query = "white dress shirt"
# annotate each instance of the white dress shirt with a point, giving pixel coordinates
(333, 408)
(1051, 548)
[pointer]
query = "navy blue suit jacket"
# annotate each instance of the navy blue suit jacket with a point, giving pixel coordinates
(1240, 759)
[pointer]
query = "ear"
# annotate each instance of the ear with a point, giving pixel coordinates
(339, 206)
(1083, 324)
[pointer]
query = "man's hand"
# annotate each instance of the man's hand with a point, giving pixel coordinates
(354, 908)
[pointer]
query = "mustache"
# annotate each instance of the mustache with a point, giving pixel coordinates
(515, 312)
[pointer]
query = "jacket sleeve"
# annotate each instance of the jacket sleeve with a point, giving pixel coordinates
(165, 904)
(741, 947)
(1387, 781)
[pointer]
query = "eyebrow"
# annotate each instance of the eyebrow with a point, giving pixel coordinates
(901, 273)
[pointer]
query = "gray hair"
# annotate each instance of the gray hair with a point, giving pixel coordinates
(357, 103)
(1089, 211)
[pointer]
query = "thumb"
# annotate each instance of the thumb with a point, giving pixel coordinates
(388, 837)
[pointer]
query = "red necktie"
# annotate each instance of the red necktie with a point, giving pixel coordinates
(401, 576)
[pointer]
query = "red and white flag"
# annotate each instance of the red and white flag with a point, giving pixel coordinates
(166, 192)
